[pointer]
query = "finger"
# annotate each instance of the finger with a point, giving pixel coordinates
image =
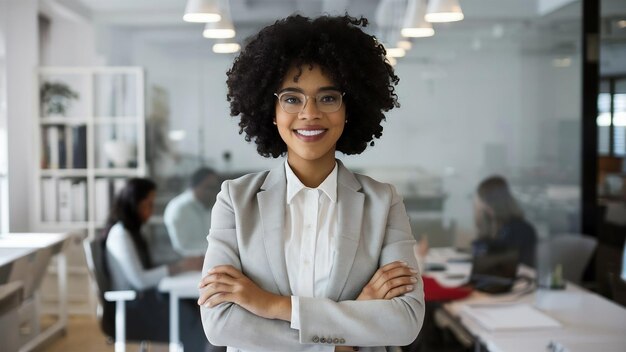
(399, 291)
(385, 268)
(217, 299)
(226, 269)
(217, 277)
(392, 274)
(213, 289)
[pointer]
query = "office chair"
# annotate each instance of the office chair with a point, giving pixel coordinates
(113, 325)
(571, 251)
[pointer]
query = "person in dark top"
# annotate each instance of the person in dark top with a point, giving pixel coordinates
(499, 217)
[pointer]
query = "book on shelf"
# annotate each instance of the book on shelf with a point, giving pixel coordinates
(49, 201)
(79, 201)
(64, 147)
(65, 200)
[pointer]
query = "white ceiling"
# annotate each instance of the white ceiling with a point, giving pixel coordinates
(485, 20)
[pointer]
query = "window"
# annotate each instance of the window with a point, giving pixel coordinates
(611, 118)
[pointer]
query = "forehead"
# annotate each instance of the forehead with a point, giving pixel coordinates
(306, 75)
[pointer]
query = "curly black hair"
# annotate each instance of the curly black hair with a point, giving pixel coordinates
(353, 59)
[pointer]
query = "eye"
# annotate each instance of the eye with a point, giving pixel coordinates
(328, 98)
(291, 99)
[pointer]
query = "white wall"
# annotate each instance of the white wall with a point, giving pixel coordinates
(21, 62)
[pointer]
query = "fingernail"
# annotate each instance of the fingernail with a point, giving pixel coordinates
(413, 271)
(413, 280)
(207, 305)
(409, 288)
(403, 263)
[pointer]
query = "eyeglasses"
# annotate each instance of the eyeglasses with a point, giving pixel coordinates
(294, 102)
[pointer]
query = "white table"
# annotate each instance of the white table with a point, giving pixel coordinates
(24, 257)
(181, 286)
(589, 321)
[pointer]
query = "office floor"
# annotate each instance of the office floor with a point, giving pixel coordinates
(84, 335)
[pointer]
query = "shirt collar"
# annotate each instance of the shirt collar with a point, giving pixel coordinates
(294, 185)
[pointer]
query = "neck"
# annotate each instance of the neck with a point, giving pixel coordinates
(312, 174)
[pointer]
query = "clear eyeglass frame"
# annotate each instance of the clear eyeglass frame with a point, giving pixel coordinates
(325, 108)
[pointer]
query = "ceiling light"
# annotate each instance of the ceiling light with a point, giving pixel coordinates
(226, 48)
(414, 23)
(395, 52)
(443, 11)
(621, 24)
(404, 44)
(219, 30)
(202, 11)
(392, 60)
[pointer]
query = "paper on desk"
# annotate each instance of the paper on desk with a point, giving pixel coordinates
(508, 316)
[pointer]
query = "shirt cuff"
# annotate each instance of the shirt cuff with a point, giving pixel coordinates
(295, 312)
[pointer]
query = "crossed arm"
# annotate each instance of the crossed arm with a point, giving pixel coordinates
(238, 312)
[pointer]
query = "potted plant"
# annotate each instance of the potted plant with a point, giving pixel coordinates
(56, 98)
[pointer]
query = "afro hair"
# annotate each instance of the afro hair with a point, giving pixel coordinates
(354, 60)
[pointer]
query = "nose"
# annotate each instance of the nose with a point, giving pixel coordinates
(310, 109)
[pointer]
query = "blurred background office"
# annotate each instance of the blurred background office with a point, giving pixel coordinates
(518, 88)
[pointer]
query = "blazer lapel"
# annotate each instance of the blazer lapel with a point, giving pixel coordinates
(350, 212)
(271, 201)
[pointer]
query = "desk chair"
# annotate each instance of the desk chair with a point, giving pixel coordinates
(572, 251)
(94, 253)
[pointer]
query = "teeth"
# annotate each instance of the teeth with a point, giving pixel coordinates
(310, 132)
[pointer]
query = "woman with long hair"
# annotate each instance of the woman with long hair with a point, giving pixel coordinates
(130, 267)
(498, 216)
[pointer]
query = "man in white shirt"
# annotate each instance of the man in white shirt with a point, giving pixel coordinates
(188, 216)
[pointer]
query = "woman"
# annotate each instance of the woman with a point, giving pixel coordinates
(498, 217)
(309, 255)
(130, 268)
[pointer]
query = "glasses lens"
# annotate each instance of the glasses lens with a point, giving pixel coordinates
(292, 102)
(329, 101)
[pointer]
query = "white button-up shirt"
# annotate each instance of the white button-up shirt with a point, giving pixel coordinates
(311, 224)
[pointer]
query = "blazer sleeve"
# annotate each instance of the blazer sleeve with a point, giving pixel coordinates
(392, 322)
(228, 324)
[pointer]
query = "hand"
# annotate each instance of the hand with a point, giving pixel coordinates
(224, 283)
(389, 281)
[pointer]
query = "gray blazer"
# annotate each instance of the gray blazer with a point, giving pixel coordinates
(248, 232)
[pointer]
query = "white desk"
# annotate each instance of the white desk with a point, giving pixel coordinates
(184, 285)
(589, 322)
(25, 257)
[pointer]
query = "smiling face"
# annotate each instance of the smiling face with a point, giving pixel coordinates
(311, 135)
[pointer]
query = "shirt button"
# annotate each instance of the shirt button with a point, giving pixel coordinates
(329, 340)
(336, 341)
(342, 341)
(316, 339)
(322, 340)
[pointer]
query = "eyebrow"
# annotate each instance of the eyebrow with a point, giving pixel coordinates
(300, 90)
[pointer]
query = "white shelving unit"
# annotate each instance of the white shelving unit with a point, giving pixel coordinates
(90, 143)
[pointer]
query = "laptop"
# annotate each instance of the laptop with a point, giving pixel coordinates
(494, 266)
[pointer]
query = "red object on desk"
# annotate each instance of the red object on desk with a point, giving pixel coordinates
(433, 291)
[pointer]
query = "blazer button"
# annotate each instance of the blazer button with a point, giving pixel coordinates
(342, 341)
(336, 341)
(316, 339)
(322, 340)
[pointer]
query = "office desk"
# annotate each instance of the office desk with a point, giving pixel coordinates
(184, 285)
(24, 257)
(589, 321)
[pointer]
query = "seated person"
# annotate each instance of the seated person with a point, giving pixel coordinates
(498, 217)
(130, 267)
(188, 216)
